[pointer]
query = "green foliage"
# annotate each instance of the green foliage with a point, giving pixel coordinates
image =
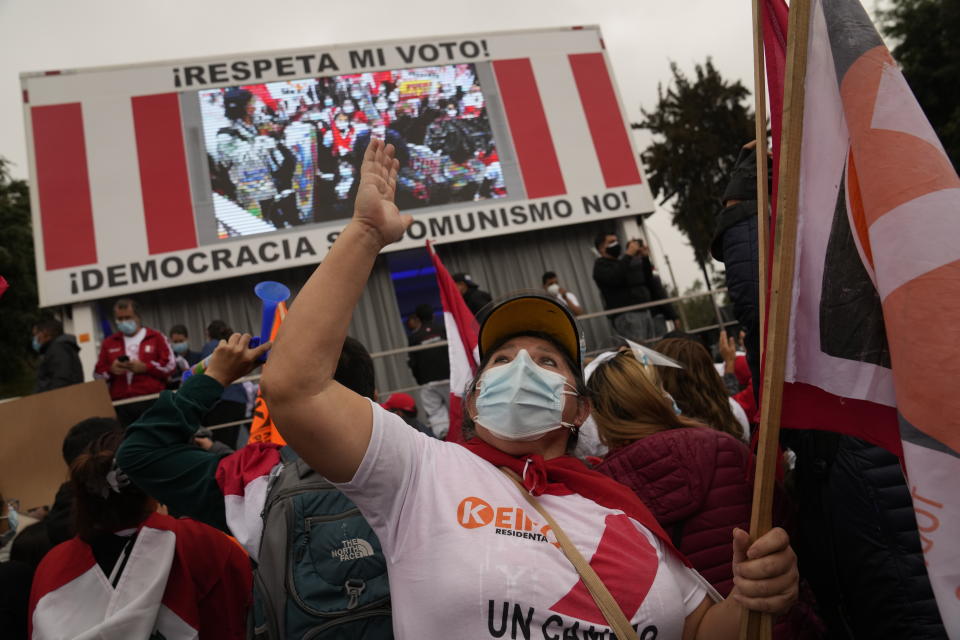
(18, 306)
(698, 127)
(699, 312)
(928, 50)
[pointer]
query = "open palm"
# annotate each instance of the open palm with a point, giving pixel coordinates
(374, 206)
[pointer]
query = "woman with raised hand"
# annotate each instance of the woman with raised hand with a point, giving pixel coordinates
(506, 534)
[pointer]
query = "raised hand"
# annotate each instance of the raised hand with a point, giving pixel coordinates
(374, 207)
(232, 359)
(728, 347)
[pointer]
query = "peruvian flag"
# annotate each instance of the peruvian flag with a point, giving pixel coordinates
(244, 478)
(462, 330)
(874, 336)
(172, 580)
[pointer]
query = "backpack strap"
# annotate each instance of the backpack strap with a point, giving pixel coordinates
(601, 595)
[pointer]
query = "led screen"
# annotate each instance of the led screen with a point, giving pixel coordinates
(285, 154)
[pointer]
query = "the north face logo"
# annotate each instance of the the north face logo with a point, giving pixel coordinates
(353, 549)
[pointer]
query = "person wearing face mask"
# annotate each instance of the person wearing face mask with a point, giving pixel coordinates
(340, 138)
(135, 361)
(59, 364)
(180, 343)
(183, 356)
(623, 276)
(551, 285)
(480, 536)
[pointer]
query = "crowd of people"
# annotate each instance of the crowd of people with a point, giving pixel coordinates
(288, 153)
(369, 524)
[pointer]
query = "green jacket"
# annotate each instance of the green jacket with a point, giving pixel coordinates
(159, 456)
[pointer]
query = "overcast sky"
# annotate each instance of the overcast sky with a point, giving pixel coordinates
(642, 37)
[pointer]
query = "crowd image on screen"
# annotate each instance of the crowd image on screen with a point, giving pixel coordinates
(284, 154)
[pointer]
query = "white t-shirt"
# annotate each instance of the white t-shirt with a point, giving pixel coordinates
(567, 300)
(741, 417)
(468, 558)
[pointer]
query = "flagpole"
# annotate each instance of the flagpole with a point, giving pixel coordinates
(756, 626)
(760, 118)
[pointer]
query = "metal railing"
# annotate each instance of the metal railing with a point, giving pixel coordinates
(433, 345)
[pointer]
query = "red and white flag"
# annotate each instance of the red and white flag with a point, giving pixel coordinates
(874, 343)
(462, 330)
(163, 586)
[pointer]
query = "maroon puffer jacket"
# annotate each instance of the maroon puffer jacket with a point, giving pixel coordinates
(695, 482)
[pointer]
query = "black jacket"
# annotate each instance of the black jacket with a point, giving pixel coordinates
(59, 365)
(476, 299)
(430, 364)
(857, 539)
(735, 244)
(623, 281)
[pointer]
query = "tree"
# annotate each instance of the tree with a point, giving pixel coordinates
(698, 128)
(19, 304)
(929, 55)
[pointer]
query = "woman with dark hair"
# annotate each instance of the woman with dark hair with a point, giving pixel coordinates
(697, 388)
(133, 573)
(492, 534)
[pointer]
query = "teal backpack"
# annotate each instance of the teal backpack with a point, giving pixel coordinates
(321, 573)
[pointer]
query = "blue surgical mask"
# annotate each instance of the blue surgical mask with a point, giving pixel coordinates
(36, 344)
(521, 401)
(127, 327)
(180, 348)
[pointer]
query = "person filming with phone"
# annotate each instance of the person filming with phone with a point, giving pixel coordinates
(624, 277)
(135, 360)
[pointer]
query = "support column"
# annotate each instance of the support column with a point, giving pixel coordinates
(81, 321)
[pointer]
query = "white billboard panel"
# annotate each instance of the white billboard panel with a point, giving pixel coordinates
(159, 175)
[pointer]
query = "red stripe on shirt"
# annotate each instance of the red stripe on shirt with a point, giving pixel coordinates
(63, 185)
(532, 141)
(164, 182)
(607, 127)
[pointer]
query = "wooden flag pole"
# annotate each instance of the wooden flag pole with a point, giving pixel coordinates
(756, 626)
(760, 117)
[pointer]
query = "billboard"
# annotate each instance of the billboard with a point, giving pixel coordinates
(159, 175)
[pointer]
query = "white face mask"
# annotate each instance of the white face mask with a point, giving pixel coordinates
(521, 401)
(348, 108)
(554, 289)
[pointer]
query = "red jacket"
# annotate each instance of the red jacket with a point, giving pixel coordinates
(154, 352)
(696, 483)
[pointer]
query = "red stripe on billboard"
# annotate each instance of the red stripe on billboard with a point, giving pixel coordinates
(532, 141)
(63, 185)
(607, 128)
(167, 203)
